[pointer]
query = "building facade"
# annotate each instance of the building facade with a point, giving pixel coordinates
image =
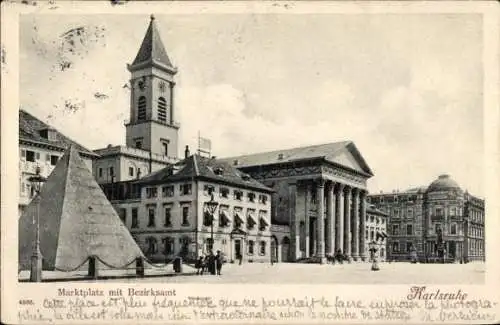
(152, 132)
(419, 214)
(170, 216)
(40, 145)
(320, 194)
(376, 231)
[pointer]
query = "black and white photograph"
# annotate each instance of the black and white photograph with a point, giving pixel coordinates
(252, 147)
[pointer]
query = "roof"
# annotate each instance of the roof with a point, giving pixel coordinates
(152, 49)
(29, 130)
(76, 221)
(196, 166)
(343, 153)
(443, 183)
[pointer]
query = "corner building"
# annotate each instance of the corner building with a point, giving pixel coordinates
(418, 213)
(320, 195)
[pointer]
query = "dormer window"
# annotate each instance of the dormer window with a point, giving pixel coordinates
(219, 171)
(245, 177)
(235, 162)
(48, 133)
(251, 197)
(224, 192)
(280, 156)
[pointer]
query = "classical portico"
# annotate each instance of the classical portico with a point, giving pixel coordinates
(320, 193)
(343, 208)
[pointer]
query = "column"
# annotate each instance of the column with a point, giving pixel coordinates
(293, 222)
(330, 232)
(355, 224)
(362, 226)
(339, 217)
(347, 222)
(307, 208)
(320, 196)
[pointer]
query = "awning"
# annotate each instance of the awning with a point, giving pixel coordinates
(225, 217)
(210, 216)
(251, 219)
(264, 220)
(238, 217)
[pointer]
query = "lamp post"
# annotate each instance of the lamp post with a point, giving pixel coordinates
(373, 249)
(212, 206)
(36, 256)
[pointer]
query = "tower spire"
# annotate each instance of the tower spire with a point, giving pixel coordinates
(152, 50)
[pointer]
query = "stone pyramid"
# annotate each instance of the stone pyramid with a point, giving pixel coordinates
(76, 221)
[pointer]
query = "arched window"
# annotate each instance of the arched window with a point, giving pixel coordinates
(141, 108)
(162, 110)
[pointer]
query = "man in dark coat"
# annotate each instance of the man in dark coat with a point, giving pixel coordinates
(218, 262)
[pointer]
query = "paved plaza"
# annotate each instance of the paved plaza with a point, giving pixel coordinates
(355, 273)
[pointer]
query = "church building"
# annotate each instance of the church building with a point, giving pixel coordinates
(152, 133)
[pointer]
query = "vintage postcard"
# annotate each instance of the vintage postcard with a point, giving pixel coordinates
(250, 162)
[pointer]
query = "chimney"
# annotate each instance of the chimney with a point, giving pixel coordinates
(186, 152)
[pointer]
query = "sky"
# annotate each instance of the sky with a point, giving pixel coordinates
(406, 89)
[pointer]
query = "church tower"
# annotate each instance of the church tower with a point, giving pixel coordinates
(152, 124)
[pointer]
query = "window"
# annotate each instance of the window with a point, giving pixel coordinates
(238, 195)
(168, 245)
(168, 217)
(395, 229)
(262, 248)
(185, 189)
(135, 219)
(263, 199)
(100, 172)
(165, 148)
(152, 246)
(439, 212)
(208, 189)
(162, 110)
(30, 155)
(138, 172)
(437, 226)
(141, 111)
(396, 213)
(372, 234)
(151, 217)
(185, 216)
(210, 244)
(151, 192)
(395, 246)
(167, 191)
(250, 247)
(37, 156)
(53, 160)
(251, 197)
(409, 230)
(453, 229)
(452, 211)
(224, 192)
(138, 144)
(408, 247)
(23, 154)
(366, 234)
(111, 171)
(131, 171)
(123, 215)
(410, 213)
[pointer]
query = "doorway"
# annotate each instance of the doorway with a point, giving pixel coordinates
(237, 248)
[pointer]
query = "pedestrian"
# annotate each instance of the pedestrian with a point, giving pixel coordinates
(240, 258)
(211, 263)
(218, 262)
(199, 265)
(204, 266)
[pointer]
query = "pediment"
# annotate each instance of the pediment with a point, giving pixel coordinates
(350, 157)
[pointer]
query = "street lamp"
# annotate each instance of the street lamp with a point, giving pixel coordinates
(212, 206)
(373, 249)
(36, 256)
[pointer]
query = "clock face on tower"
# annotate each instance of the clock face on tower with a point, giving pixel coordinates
(162, 86)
